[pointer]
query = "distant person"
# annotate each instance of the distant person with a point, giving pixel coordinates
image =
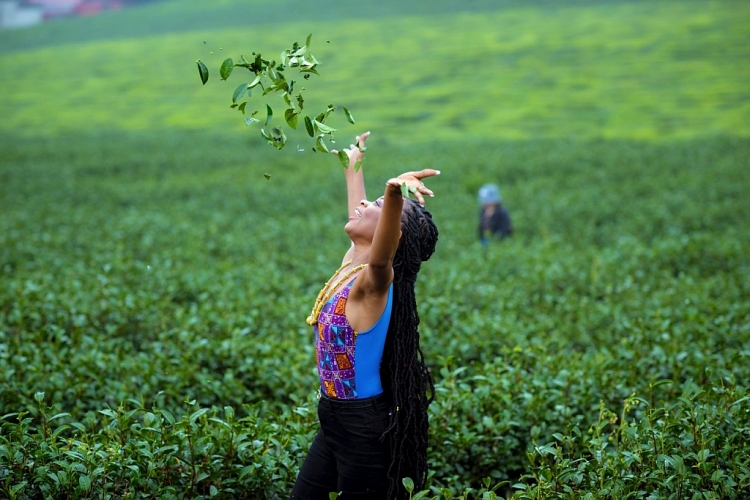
(494, 219)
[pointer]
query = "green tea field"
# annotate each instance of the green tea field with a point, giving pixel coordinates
(158, 259)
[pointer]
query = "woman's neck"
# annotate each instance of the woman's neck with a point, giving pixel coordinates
(360, 254)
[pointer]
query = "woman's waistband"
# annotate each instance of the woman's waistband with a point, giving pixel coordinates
(374, 401)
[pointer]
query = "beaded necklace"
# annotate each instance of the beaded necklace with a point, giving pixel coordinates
(327, 291)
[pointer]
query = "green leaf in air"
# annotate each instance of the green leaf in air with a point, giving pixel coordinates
(348, 114)
(250, 121)
(267, 176)
(321, 145)
(309, 127)
(203, 71)
(278, 138)
(239, 92)
(255, 82)
(323, 127)
(357, 165)
(269, 114)
(404, 190)
(226, 68)
(241, 107)
(291, 118)
(343, 158)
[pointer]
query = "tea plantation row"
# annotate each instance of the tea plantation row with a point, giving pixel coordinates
(154, 290)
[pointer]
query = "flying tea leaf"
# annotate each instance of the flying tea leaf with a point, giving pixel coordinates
(309, 127)
(343, 158)
(291, 118)
(226, 68)
(322, 145)
(323, 127)
(239, 92)
(349, 116)
(203, 71)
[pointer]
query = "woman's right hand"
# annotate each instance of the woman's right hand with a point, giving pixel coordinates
(356, 151)
(413, 182)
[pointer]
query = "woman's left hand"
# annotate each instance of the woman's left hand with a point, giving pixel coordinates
(413, 182)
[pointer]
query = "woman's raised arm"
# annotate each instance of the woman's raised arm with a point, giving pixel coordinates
(355, 180)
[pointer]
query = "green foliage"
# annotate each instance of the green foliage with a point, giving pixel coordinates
(156, 296)
(270, 76)
(452, 70)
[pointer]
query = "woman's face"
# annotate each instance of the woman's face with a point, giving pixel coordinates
(365, 219)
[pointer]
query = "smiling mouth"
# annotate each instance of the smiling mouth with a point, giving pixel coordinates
(357, 212)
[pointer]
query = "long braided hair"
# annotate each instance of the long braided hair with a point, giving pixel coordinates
(403, 371)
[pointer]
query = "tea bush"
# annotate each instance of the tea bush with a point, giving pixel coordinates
(153, 339)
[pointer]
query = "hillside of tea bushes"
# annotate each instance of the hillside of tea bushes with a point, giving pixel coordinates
(153, 304)
(154, 283)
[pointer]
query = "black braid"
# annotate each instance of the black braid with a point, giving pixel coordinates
(403, 371)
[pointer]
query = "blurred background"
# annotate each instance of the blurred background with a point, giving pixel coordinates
(499, 69)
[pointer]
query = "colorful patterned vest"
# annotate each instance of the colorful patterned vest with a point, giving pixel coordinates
(348, 361)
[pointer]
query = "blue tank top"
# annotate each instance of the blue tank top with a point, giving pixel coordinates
(349, 361)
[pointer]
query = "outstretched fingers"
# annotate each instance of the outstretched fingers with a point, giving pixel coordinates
(355, 151)
(360, 140)
(413, 182)
(421, 174)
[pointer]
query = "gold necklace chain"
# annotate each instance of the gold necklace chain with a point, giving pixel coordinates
(327, 291)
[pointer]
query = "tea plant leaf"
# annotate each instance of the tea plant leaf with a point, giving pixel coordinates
(203, 71)
(239, 92)
(168, 416)
(408, 484)
(321, 127)
(343, 158)
(198, 414)
(309, 127)
(740, 401)
(255, 82)
(321, 145)
(60, 429)
(291, 118)
(18, 487)
(269, 114)
(226, 68)
(348, 115)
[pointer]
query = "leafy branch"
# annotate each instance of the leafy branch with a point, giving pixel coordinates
(270, 76)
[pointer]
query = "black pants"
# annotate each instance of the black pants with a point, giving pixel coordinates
(347, 454)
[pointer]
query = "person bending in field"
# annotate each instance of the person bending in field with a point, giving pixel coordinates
(374, 385)
(494, 219)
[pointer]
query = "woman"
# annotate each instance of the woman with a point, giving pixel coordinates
(374, 385)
